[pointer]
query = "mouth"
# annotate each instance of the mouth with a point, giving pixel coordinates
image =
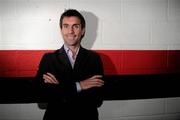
(71, 36)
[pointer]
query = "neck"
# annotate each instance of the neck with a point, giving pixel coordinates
(73, 48)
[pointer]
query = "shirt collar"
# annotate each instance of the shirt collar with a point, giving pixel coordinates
(67, 49)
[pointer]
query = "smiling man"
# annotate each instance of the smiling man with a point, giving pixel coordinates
(72, 76)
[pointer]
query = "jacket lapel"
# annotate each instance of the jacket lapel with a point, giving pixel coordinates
(81, 59)
(63, 58)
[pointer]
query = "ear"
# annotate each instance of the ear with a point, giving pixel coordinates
(83, 32)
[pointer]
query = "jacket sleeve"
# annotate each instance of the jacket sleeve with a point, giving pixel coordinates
(94, 96)
(50, 92)
(44, 91)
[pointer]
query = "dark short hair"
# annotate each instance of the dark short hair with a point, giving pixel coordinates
(72, 12)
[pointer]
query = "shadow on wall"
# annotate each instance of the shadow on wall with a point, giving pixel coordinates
(90, 37)
(88, 41)
(91, 29)
(109, 66)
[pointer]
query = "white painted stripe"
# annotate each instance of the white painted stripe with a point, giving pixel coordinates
(125, 25)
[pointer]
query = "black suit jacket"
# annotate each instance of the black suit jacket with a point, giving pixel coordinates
(64, 102)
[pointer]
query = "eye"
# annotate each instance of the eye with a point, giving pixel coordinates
(76, 26)
(65, 26)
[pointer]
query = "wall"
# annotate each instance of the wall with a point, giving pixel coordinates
(148, 109)
(123, 25)
(113, 24)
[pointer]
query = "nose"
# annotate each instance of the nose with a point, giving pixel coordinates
(71, 30)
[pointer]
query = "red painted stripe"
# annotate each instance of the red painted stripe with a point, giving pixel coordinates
(24, 63)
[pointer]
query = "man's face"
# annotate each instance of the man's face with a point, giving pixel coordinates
(71, 30)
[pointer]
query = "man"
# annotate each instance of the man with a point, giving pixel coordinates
(71, 77)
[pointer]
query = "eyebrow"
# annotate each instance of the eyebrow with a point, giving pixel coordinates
(72, 24)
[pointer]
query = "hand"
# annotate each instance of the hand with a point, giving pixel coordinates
(50, 78)
(94, 81)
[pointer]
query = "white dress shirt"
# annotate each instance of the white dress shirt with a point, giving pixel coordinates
(72, 59)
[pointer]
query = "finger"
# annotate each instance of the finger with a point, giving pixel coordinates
(96, 82)
(89, 83)
(52, 76)
(96, 76)
(99, 83)
(46, 81)
(49, 79)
